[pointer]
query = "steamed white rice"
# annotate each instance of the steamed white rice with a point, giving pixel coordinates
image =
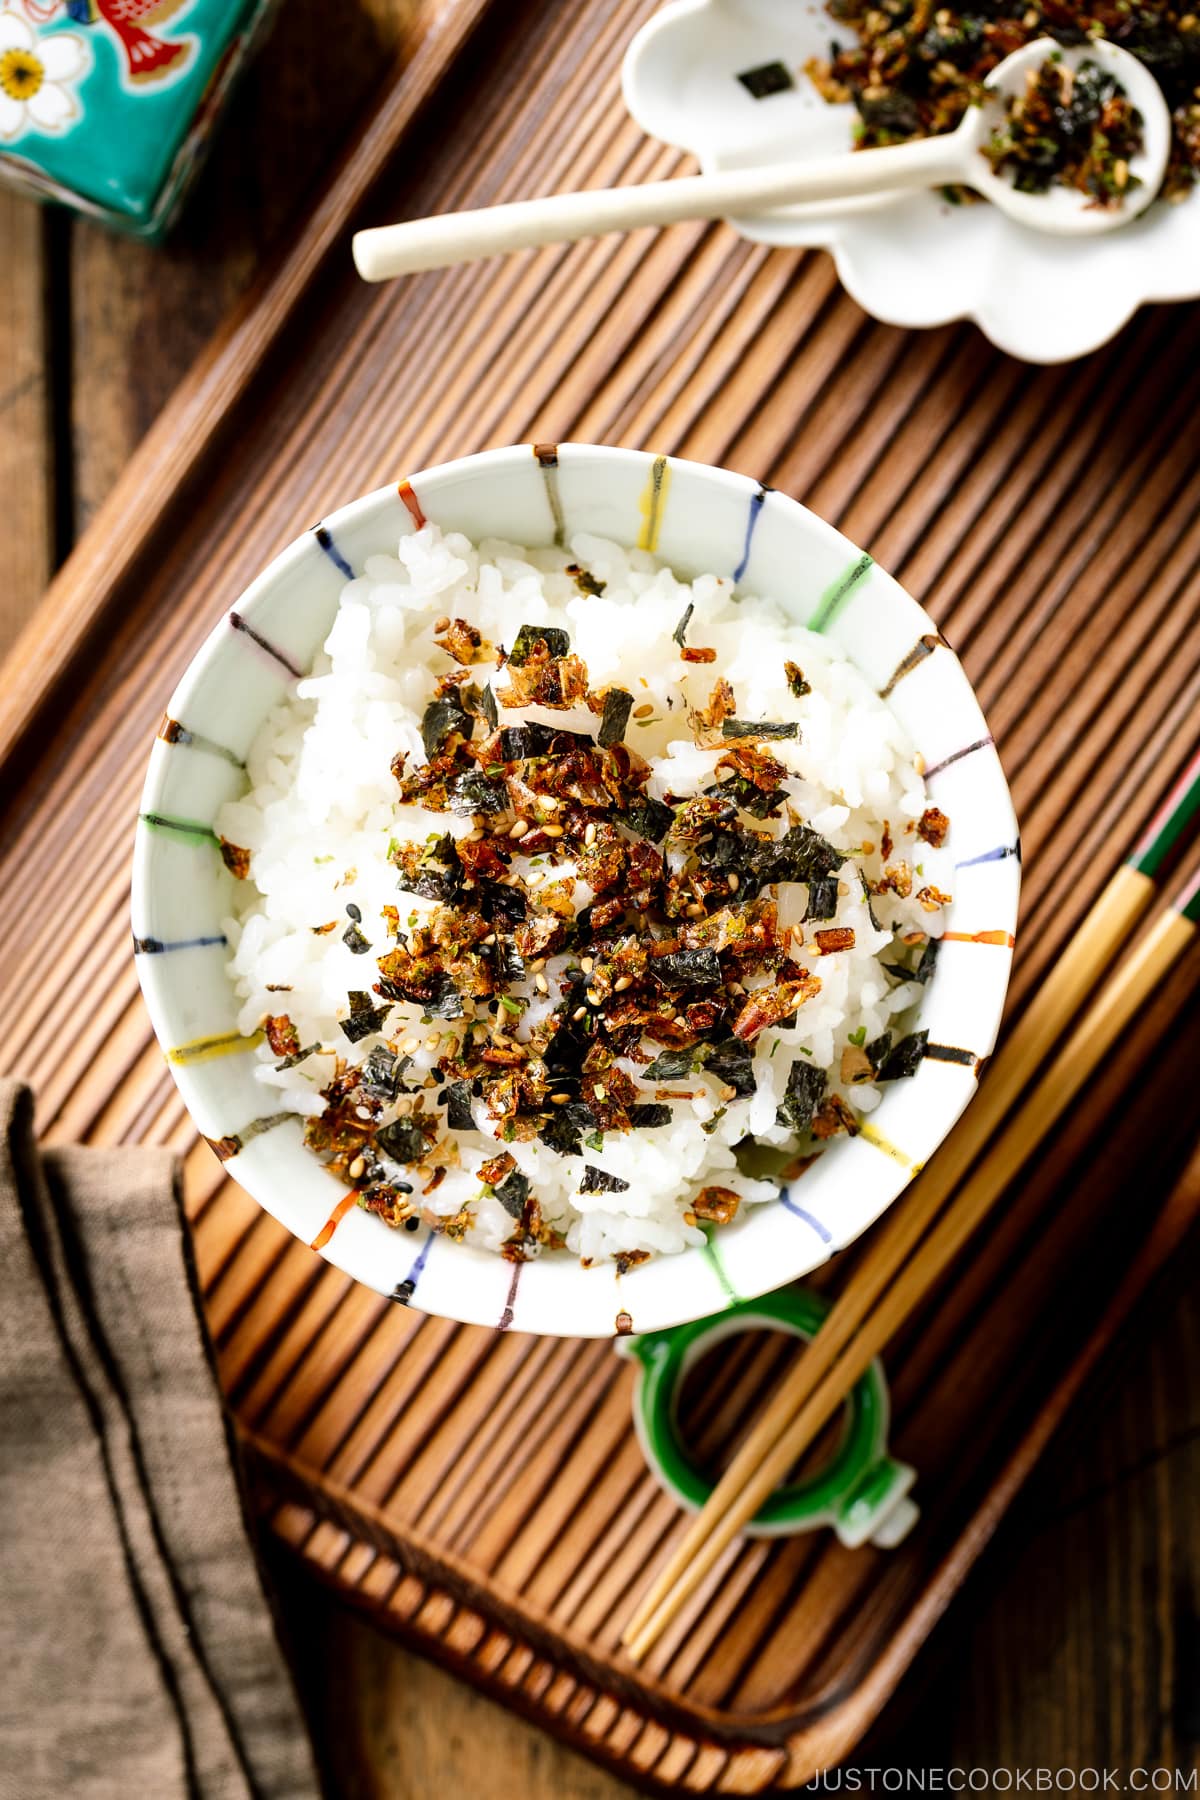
(321, 810)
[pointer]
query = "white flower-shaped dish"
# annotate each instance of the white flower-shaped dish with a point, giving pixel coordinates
(690, 78)
(696, 519)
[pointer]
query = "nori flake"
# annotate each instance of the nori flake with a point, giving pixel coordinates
(445, 1001)
(802, 855)
(924, 968)
(510, 964)
(760, 803)
(680, 630)
(687, 968)
(822, 898)
(474, 793)
(438, 876)
(599, 1181)
(894, 1062)
(297, 1056)
(617, 707)
(557, 643)
(870, 900)
(487, 701)
(441, 718)
(769, 78)
(733, 1063)
(364, 1018)
(354, 940)
(649, 1115)
(805, 1086)
(648, 818)
(736, 728)
(402, 1141)
(457, 1095)
(432, 885)
(563, 1130)
(502, 905)
(512, 1193)
(382, 1072)
(520, 741)
(669, 1065)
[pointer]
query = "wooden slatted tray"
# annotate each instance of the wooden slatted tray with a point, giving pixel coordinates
(483, 1493)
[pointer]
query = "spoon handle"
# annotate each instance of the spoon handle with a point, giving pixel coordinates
(435, 243)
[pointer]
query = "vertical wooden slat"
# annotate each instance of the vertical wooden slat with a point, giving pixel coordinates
(296, 105)
(27, 462)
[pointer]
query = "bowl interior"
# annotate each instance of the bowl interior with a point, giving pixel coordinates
(696, 519)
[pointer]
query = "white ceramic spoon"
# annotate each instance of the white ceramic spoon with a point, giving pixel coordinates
(954, 158)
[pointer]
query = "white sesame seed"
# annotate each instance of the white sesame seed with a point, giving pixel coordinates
(541, 984)
(552, 831)
(600, 1091)
(431, 1043)
(410, 1045)
(586, 964)
(622, 982)
(356, 1168)
(518, 828)
(732, 881)
(589, 836)
(579, 1013)
(593, 997)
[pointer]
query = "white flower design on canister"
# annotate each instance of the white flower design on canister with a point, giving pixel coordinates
(37, 77)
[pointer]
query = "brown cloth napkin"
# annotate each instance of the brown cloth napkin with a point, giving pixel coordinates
(139, 1658)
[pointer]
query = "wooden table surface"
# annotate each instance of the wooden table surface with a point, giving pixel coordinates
(1078, 1642)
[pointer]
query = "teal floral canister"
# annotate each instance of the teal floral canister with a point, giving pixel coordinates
(106, 105)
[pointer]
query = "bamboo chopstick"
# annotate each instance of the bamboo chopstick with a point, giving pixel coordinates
(1166, 940)
(789, 1415)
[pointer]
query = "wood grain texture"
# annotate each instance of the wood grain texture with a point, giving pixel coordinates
(141, 314)
(27, 469)
(1075, 1646)
(484, 1498)
(170, 458)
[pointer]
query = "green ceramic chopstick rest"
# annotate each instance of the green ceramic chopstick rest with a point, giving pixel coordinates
(861, 1491)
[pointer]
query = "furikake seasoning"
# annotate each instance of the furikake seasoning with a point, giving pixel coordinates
(1074, 127)
(676, 965)
(912, 67)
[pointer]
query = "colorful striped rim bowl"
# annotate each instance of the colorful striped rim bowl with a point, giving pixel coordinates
(697, 519)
